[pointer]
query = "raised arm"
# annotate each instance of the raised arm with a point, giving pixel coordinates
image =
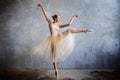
(69, 23)
(44, 12)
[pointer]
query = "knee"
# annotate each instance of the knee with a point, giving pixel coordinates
(71, 30)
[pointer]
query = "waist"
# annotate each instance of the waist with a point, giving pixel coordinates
(54, 34)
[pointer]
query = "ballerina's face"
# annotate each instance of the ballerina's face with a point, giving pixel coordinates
(56, 18)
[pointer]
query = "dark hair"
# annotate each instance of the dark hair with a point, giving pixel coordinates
(54, 16)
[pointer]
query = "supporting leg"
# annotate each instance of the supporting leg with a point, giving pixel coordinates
(56, 71)
(54, 61)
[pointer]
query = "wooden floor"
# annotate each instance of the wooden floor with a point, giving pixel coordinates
(64, 74)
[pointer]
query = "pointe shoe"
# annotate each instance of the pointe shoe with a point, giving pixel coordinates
(90, 30)
(56, 74)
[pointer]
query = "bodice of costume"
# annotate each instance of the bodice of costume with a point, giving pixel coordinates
(53, 28)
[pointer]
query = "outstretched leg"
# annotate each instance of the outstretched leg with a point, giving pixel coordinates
(72, 30)
(54, 60)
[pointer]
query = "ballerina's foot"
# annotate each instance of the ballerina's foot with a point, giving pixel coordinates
(56, 74)
(90, 30)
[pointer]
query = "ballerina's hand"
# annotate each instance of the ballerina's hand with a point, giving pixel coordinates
(75, 16)
(39, 5)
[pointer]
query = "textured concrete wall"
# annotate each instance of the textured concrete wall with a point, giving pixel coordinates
(22, 26)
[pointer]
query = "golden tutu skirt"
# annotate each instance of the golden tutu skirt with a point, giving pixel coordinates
(63, 43)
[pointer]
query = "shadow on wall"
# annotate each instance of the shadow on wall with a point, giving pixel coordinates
(6, 50)
(118, 31)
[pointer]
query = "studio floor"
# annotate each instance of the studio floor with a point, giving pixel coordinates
(64, 74)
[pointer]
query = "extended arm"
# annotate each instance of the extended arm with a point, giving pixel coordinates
(44, 12)
(69, 23)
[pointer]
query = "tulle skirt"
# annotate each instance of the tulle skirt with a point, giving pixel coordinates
(63, 45)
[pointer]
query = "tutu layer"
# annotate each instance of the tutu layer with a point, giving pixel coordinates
(64, 45)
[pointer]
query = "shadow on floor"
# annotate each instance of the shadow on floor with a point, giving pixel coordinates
(104, 75)
(29, 74)
(26, 74)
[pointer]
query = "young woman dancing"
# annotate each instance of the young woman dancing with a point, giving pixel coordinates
(58, 45)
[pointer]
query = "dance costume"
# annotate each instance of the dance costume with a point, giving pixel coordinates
(64, 45)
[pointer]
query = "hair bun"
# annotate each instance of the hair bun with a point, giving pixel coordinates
(54, 16)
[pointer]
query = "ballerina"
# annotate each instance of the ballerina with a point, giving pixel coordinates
(57, 46)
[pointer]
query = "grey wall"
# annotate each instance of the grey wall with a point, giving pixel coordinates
(22, 26)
